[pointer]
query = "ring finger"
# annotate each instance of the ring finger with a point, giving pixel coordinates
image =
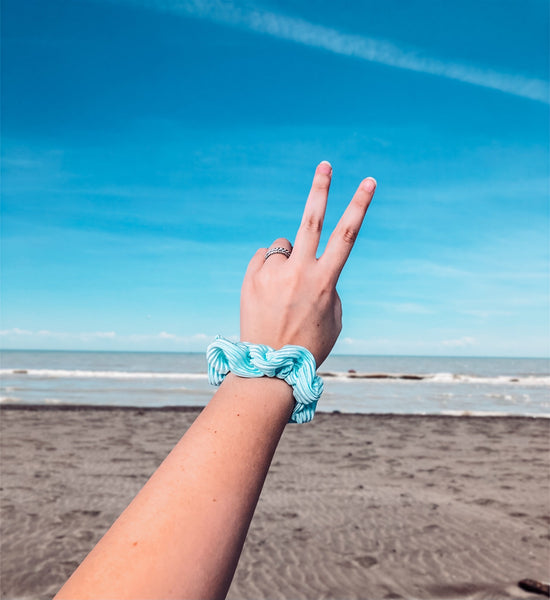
(278, 252)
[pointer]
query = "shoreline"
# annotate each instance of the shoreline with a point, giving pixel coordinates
(467, 414)
(354, 505)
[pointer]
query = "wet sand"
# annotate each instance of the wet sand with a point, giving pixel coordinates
(354, 506)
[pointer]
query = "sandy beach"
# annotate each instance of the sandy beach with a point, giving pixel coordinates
(354, 506)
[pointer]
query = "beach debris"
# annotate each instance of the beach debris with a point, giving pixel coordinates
(20, 372)
(530, 585)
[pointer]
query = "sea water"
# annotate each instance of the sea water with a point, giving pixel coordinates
(362, 384)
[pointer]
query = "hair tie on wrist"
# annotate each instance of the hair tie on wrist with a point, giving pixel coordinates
(292, 364)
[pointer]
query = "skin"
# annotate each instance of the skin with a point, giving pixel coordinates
(182, 535)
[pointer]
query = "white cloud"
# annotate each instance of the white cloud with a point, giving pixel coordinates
(15, 331)
(42, 337)
(197, 337)
(460, 342)
(167, 336)
(357, 46)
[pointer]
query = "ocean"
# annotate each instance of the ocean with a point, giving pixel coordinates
(357, 384)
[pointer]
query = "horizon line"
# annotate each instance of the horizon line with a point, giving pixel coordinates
(201, 352)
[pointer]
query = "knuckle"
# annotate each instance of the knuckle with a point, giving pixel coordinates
(360, 203)
(313, 224)
(349, 234)
(281, 242)
(321, 182)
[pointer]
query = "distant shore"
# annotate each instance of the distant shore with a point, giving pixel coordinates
(355, 506)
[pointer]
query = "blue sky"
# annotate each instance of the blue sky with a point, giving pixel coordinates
(150, 146)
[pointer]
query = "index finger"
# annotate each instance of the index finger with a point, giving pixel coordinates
(344, 235)
(309, 233)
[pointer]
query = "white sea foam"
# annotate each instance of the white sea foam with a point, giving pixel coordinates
(447, 378)
(542, 380)
(489, 413)
(80, 374)
(52, 401)
(9, 400)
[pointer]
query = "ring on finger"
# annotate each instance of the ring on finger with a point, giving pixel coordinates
(277, 250)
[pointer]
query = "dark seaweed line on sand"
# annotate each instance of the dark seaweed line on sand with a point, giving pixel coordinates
(141, 410)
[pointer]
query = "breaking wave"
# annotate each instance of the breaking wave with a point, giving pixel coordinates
(447, 378)
(79, 374)
(529, 380)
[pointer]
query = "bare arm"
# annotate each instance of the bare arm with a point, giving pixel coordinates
(182, 535)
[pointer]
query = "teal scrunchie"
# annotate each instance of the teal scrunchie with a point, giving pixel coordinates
(293, 364)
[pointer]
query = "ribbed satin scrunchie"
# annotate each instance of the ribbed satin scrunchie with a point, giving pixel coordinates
(293, 364)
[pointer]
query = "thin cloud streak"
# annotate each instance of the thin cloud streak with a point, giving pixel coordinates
(361, 47)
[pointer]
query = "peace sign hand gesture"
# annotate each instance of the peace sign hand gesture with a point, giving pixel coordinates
(290, 297)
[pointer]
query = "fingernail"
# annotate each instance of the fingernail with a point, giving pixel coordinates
(369, 184)
(325, 167)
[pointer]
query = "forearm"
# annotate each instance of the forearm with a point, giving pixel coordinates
(185, 529)
(182, 535)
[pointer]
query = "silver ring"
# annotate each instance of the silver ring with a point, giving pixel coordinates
(277, 250)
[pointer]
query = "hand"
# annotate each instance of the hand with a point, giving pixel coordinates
(294, 300)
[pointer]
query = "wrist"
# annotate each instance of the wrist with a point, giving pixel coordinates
(293, 364)
(261, 394)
